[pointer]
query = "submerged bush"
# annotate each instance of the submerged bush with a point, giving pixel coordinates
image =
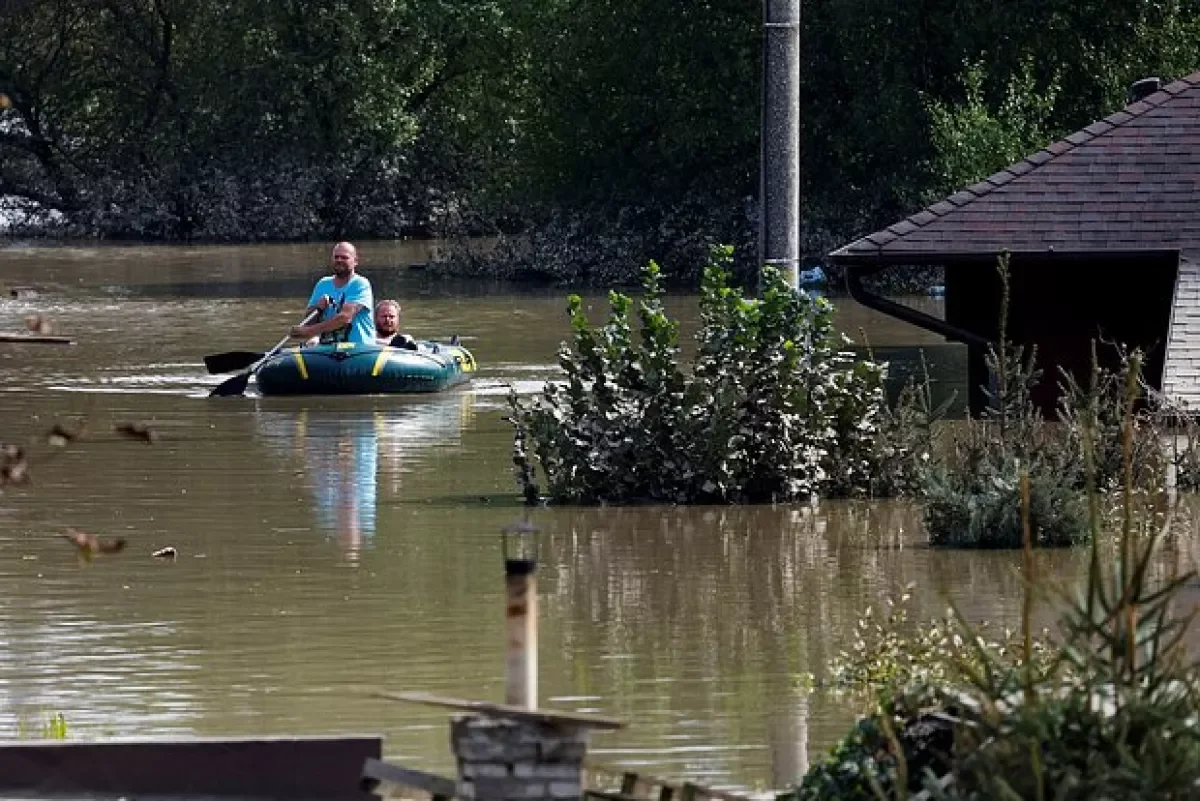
(52, 727)
(772, 409)
(1106, 402)
(1108, 712)
(981, 509)
(887, 754)
(888, 651)
(973, 498)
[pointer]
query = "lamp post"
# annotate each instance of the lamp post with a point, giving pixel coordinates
(779, 200)
(519, 547)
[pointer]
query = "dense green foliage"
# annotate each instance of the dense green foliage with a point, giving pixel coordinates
(889, 650)
(772, 409)
(611, 132)
(198, 118)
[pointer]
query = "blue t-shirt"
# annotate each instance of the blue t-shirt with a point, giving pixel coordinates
(356, 290)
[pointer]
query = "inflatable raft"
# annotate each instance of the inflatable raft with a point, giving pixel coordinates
(347, 368)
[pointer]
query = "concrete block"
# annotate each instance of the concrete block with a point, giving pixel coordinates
(508, 789)
(565, 790)
(484, 770)
(490, 740)
(566, 750)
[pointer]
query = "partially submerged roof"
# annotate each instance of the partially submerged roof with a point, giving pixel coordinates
(1130, 182)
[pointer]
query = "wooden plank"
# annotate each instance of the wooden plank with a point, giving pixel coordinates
(507, 711)
(605, 795)
(283, 767)
(375, 770)
(632, 783)
(40, 339)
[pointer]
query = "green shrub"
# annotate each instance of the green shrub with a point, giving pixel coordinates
(1109, 712)
(772, 409)
(1104, 401)
(904, 443)
(973, 499)
(981, 509)
(886, 754)
(53, 727)
(888, 651)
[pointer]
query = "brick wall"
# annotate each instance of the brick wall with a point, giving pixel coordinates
(513, 760)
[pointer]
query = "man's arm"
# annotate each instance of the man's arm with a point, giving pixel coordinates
(318, 301)
(337, 321)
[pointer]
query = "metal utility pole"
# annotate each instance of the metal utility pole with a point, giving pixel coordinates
(779, 197)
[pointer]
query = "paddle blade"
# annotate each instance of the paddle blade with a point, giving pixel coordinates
(230, 361)
(231, 386)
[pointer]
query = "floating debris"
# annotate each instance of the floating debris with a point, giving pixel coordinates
(39, 324)
(89, 545)
(60, 435)
(14, 470)
(166, 553)
(137, 431)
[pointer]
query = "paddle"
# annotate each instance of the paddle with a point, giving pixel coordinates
(237, 385)
(231, 360)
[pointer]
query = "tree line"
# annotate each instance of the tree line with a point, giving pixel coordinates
(605, 133)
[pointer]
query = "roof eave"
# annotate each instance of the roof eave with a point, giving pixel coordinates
(881, 258)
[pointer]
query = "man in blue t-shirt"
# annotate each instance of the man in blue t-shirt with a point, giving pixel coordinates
(344, 300)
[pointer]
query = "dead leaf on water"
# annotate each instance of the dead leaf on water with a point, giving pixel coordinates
(88, 545)
(137, 431)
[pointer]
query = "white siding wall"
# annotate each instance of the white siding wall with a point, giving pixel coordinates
(1181, 372)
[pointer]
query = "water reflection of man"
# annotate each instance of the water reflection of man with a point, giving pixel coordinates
(342, 456)
(349, 454)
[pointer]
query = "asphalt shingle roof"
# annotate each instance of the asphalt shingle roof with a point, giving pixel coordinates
(1128, 182)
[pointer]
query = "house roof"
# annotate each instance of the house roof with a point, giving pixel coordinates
(1129, 182)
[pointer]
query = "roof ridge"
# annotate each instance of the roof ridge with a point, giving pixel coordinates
(1039, 158)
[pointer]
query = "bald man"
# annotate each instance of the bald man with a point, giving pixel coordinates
(344, 300)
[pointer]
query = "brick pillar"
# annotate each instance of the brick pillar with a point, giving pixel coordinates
(518, 760)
